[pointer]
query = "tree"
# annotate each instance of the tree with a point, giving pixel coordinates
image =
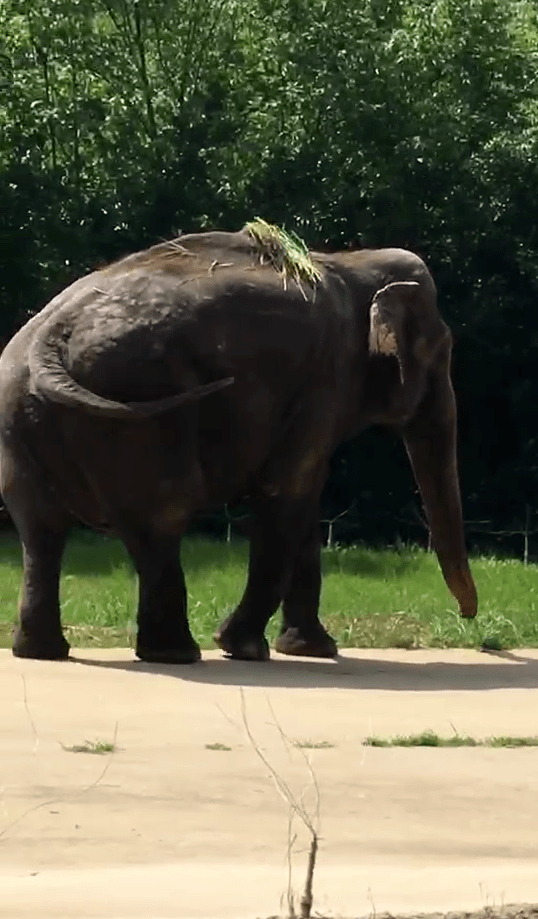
(386, 122)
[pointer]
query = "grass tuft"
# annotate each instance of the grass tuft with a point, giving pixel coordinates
(424, 739)
(217, 746)
(95, 747)
(513, 742)
(313, 744)
(431, 739)
(287, 253)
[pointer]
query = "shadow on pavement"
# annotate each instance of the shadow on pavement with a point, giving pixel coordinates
(511, 671)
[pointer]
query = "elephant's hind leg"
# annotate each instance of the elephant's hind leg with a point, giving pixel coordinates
(42, 525)
(39, 633)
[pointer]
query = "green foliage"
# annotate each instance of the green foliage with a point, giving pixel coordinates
(378, 123)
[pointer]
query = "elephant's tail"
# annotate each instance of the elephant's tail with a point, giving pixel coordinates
(49, 379)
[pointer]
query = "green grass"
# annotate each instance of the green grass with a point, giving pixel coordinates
(431, 739)
(217, 746)
(370, 598)
(95, 747)
(313, 745)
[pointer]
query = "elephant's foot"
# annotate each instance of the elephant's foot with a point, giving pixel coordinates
(182, 654)
(48, 648)
(232, 639)
(315, 643)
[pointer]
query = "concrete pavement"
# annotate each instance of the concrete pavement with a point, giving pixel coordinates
(183, 819)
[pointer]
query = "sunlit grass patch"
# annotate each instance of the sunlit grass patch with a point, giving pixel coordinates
(393, 597)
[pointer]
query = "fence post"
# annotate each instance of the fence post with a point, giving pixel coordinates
(526, 535)
(331, 521)
(228, 524)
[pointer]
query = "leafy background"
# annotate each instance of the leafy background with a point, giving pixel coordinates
(381, 122)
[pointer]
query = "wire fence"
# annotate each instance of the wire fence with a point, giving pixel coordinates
(348, 525)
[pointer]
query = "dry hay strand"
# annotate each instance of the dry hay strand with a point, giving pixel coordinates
(286, 252)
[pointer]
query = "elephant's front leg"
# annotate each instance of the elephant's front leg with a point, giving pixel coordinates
(430, 440)
(274, 535)
(164, 635)
(302, 633)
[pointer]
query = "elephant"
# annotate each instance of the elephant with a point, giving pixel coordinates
(197, 373)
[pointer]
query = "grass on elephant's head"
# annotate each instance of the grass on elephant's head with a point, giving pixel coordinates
(287, 253)
(370, 597)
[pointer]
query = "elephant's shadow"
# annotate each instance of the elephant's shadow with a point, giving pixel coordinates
(508, 671)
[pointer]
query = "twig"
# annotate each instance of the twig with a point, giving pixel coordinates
(217, 264)
(282, 787)
(30, 719)
(289, 892)
(287, 743)
(174, 244)
(296, 808)
(308, 898)
(371, 898)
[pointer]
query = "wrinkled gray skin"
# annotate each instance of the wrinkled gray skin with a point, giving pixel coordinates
(190, 375)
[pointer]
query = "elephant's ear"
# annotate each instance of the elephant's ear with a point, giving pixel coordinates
(404, 323)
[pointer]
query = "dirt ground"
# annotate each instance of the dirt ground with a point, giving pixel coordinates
(512, 911)
(182, 817)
